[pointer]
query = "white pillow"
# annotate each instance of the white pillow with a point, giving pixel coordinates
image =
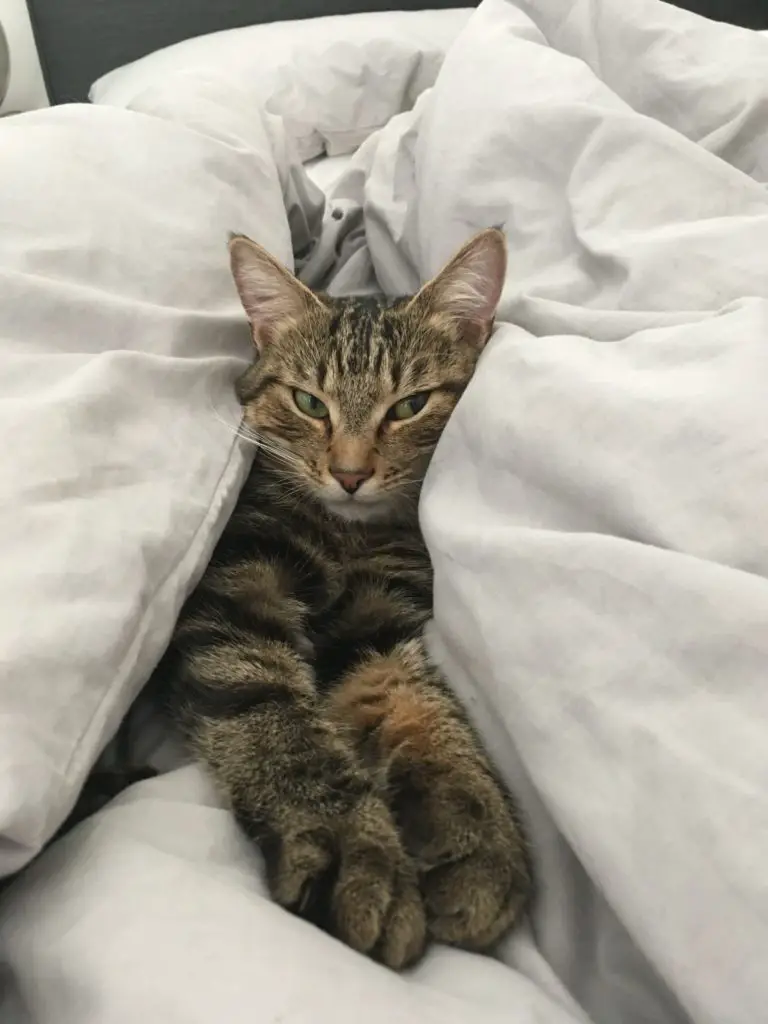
(120, 334)
(333, 80)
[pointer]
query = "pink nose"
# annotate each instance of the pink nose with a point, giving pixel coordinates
(349, 480)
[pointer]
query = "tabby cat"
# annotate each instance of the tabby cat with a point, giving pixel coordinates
(298, 668)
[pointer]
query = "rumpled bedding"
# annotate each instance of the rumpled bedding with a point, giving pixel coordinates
(596, 517)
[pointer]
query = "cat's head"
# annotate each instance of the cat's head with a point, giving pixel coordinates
(349, 396)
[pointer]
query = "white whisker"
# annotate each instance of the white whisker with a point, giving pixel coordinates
(238, 429)
(267, 444)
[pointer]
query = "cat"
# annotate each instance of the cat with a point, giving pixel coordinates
(297, 668)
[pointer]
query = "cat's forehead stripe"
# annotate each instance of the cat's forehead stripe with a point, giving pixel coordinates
(359, 341)
(362, 335)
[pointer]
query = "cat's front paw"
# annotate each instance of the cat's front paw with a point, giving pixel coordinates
(459, 827)
(352, 877)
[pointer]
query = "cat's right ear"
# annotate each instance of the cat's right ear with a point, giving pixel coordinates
(468, 288)
(273, 299)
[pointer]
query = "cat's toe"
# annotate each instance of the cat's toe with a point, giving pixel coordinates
(298, 868)
(351, 876)
(377, 908)
(472, 858)
(405, 931)
(474, 902)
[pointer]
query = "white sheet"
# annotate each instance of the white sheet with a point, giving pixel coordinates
(120, 334)
(157, 910)
(595, 515)
(332, 80)
(326, 171)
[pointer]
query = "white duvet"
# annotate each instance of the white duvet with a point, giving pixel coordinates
(596, 516)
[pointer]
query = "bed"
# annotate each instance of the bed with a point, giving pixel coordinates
(595, 510)
(82, 40)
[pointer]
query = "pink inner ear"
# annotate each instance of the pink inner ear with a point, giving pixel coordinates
(470, 287)
(270, 294)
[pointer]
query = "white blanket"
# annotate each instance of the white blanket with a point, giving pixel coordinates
(595, 516)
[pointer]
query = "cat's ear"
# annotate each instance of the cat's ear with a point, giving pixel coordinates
(272, 297)
(468, 288)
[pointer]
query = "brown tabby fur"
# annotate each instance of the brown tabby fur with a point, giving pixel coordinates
(298, 667)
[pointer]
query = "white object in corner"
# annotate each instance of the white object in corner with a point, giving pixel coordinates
(25, 86)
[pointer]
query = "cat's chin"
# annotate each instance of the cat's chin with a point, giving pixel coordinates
(358, 511)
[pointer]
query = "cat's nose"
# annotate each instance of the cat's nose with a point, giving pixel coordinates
(350, 480)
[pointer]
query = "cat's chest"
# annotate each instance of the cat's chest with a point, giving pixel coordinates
(386, 558)
(385, 545)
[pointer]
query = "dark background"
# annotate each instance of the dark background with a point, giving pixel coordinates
(80, 40)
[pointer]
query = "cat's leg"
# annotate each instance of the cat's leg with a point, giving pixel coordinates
(246, 696)
(457, 821)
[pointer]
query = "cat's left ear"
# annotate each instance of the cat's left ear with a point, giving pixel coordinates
(273, 299)
(468, 288)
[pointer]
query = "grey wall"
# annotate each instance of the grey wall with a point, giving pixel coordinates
(747, 13)
(5, 65)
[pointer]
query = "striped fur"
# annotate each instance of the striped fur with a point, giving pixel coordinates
(297, 668)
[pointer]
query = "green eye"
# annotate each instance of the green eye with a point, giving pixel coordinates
(408, 407)
(310, 405)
